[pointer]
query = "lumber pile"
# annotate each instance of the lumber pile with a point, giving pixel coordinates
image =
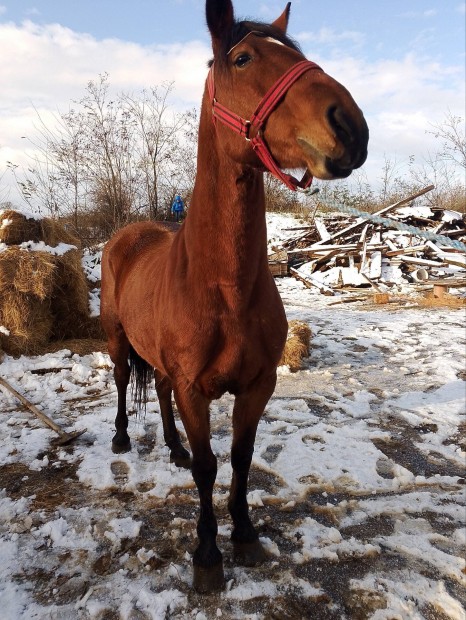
(339, 251)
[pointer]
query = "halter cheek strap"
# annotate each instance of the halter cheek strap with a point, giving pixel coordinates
(266, 106)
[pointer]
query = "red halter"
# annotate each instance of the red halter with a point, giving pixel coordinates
(266, 106)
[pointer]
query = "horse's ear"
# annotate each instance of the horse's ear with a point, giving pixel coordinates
(282, 22)
(220, 19)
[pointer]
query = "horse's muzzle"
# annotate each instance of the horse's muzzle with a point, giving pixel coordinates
(353, 134)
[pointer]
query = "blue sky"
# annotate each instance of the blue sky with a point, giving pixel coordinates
(404, 61)
(382, 29)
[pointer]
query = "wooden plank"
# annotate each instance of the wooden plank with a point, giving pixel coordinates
(322, 230)
(309, 282)
(381, 212)
(409, 250)
(421, 261)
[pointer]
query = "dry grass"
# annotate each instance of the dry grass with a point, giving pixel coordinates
(29, 321)
(446, 301)
(16, 228)
(297, 345)
(44, 296)
(81, 346)
(26, 272)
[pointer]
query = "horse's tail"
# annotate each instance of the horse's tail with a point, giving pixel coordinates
(141, 374)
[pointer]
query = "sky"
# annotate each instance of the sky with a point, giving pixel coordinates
(403, 61)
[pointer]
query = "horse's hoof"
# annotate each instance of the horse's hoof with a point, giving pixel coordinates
(120, 448)
(181, 458)
(249, 554)
(206, 580)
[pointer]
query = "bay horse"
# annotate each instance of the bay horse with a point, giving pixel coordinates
(199, 307)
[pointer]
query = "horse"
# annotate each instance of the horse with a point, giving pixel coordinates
(198, 308)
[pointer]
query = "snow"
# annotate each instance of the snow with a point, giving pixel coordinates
(358, 461)
(41, 246)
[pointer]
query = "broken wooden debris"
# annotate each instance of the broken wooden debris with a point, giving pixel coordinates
(340, 252)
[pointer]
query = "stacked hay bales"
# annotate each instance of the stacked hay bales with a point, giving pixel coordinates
(297, 345)
(43, 289)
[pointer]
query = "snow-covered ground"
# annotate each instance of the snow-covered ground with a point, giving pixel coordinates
(357, 485)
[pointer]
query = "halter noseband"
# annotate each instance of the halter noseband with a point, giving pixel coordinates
(266, 106)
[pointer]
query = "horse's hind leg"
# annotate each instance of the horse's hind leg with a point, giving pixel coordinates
(118, 348)
(247, 412)
(178, 454)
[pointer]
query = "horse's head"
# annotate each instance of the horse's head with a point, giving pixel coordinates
(309, 121)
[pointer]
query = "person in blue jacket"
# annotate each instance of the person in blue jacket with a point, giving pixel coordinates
(177, 207)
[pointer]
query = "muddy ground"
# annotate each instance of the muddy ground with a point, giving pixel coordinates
(390, 542)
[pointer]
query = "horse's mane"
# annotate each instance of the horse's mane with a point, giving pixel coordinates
(240, 30)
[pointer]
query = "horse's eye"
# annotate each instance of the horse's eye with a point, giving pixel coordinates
(242, 60)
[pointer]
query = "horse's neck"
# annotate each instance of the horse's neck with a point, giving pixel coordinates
(225, 231)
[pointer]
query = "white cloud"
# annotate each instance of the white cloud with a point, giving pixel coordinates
(328, 36)
(428, 13)
(400, 99)
(46, 67)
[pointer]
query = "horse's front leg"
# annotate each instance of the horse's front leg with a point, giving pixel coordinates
(207, 559)
(247, 412)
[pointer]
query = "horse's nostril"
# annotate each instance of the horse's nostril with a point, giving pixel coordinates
(341, 125)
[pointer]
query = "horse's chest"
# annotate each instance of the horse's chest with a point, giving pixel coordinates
(236, 359)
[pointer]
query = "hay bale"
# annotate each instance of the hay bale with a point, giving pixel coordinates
(26, 272)
(70, 298)
(17, 228)
(44, 292)
(54, 232)
(28, 321)
(297, 345)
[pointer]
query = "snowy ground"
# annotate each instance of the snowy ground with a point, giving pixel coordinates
(357, 485)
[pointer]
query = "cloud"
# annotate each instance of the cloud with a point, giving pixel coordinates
(330, 37)
(47, 67)
(400, 99)
(428, 13)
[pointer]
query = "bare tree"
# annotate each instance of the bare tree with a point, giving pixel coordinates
(452, 133)
(121, 158)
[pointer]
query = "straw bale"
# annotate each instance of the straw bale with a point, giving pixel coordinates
(54, 232)
(297, 345)
(43, 296)
(70, 298)
(29, 321)
(26, 272)
(15, 228)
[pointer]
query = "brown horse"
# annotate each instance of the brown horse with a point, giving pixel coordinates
(199, 307)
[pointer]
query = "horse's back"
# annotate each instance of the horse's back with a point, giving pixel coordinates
(131, 243)
(131, 260)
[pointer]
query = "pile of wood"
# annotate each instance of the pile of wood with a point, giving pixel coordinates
(345, 252)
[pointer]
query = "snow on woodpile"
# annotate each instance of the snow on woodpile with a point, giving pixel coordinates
(43, 289)
(345, 251)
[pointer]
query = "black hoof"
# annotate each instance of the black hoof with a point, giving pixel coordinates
(181, 458)
(121, 446)
(206, 580)
(249, 554)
